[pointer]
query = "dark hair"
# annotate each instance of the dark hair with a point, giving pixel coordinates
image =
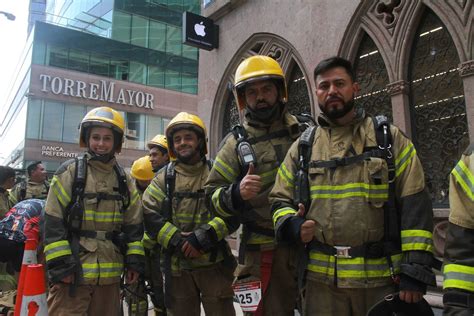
(32, 166)
(333, 62)
(6, 173)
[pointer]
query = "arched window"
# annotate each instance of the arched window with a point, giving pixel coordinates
(372, 77)
(437, 105)
(298, 98)
(231, 115)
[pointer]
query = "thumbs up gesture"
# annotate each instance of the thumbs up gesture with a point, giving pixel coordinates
(250, 185)
(308, 228)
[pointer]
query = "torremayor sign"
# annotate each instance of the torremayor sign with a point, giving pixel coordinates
(103, 91)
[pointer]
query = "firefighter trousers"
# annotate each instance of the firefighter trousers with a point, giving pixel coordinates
(281, 294)
(327, 300)
(89, 300)
(210, 285)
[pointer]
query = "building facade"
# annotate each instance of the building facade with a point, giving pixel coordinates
(83, 54)
(414, 61)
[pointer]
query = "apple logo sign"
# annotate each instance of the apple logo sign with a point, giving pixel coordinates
(200, 29)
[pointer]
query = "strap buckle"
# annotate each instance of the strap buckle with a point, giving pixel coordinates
(342, 252)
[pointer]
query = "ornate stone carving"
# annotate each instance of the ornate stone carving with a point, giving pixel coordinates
(389, 12)
(276, 52)
(466, 69)
(398, 87)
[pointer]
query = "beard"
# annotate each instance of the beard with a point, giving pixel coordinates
(188, 157)
(334, 112)
(265, 114)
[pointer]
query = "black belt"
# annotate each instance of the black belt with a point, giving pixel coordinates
(370, 250)
(101, 235)
(461, 299)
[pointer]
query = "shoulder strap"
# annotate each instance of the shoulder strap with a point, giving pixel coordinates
(123, 186)
(391, 216)
(170, 179)
(79, 181)
(384, 143)
(210, 163)
(305, 144)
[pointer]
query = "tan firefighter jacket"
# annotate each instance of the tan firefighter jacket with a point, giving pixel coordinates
(29, 190)
(225, 176)
(458, 266)
(189, 213)
(347, 202)
(101, 259)
(5, 203)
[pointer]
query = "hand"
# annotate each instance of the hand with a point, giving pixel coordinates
(411, 296)
(68, 279)
(308, 228)
(132, 276)
(188, 250)
(250, 185)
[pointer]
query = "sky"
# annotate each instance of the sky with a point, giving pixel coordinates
(12, 39)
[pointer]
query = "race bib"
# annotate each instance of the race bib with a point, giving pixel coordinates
(248, 295)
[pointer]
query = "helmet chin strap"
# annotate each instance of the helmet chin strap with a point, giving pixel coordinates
(102, 158)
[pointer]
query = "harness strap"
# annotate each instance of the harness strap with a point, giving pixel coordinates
(369, 250)
(103, 196)
(345, 161)
(277, 134)
(188, 194)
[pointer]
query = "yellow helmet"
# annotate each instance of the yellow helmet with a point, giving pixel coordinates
(103, 117)
(158, 140)
(184, 120)
(256, 68)
(142, 169)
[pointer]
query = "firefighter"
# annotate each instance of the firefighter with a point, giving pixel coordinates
(7, 181)
(359, 176)
(35, 187)
(142, 173)
(459, 253)
(196, 259)
(241, 179)
(158, 152)
(93, 223)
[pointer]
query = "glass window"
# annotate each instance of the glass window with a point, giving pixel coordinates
(190, 52)
(72, 117)
(189, 83)
(438, 108)
(139, 31)
(157, 36)
(172, 80)
(52, 120)
(34, 119)
(56, 56)
(39, 53)
(298, 100)
(99, 65)
(78, 60)
(176, 5)
(121, 26)
(173, 40)
(137, 72)
(119, 69)
(156, 77)
(135, 131)
(154, 126)
(372, 77)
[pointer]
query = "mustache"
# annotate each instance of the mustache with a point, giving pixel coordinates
(334, 98)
